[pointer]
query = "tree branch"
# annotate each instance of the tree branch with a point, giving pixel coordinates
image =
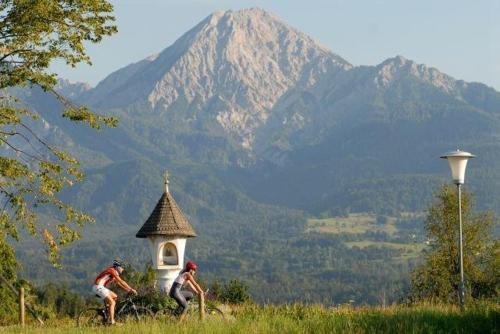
(21, 151)
(14, 52)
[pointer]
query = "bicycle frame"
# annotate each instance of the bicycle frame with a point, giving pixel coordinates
(124, 311)
(121, 307)
(125, 304)
(171, 311)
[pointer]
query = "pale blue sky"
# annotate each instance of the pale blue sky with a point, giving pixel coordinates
(459, 37)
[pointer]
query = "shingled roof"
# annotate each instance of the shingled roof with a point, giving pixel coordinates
(166, 219)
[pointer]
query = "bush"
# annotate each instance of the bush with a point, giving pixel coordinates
(58, 301)
(233, 292)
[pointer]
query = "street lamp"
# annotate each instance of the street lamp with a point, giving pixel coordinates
(458, 162)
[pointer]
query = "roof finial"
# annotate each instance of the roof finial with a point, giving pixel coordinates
(166, 176)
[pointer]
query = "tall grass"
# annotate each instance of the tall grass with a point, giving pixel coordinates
(479, 318)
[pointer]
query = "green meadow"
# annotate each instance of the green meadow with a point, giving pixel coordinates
(408, 250)
(357, 223)
(479, 318)
(362, 226)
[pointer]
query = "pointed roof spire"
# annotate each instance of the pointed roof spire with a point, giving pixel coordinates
(167, 218)
(166, 176)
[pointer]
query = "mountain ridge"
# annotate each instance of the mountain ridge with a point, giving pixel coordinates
(214, 63)
(326, 140)
(214, 75)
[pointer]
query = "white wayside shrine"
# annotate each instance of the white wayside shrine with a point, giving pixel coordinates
(167, 230)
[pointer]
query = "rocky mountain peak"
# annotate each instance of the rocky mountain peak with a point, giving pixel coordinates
(253, 58)
(234, 66)
(71, 89)
(255, 81)
(394, 68)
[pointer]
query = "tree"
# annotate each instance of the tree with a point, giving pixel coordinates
(7, 270)
(33, 172)
(234, 291)
(381, 220)
(438, 278)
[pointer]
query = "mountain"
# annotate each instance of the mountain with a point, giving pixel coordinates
(376, 129)
(243, 88)
(263, 128)
(71, 90)
(229, 72)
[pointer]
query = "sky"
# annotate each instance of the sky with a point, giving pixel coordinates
(460, 37)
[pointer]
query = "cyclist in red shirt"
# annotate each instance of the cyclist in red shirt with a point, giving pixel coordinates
(111, 274)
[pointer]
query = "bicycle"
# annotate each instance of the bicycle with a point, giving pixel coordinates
(125, 310)
(211, 312)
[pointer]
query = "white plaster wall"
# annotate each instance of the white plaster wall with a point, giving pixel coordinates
(166, 274)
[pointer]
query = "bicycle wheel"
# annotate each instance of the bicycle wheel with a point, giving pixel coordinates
(91, 317)
(167, 314)
(213, 313)
(139, 314)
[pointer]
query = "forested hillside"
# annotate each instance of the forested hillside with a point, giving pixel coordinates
(262, 130)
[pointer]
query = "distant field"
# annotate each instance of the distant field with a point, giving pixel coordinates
(361, 223)
(481, 318)
(409, 250)
(353, 224)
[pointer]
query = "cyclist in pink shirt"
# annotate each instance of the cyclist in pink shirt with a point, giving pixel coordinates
(182, 297)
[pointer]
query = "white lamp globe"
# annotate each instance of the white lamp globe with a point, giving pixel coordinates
(458, 162)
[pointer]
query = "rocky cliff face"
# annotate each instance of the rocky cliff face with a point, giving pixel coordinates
(267, 87)
(72, 90)
(233, 66)
(392, 69)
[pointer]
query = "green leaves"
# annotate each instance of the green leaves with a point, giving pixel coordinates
(34, 33)
(33, 172)
(82, 114)
(438, 278)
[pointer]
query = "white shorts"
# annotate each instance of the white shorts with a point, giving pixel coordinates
(101, 291)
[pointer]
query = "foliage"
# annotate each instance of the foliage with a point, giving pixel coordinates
(139, 279)
(32, 171)
(8, 271)
(381, 220)
(50, 301)
(232, 292)
(58, 301)
(439, 277)
(145, 284)
(275, 270)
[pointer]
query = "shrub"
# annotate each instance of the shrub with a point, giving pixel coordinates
(233, 292)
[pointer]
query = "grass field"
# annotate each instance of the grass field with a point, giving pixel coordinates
(408, 250)
(483, 318)
(353, 224)
(361, 223)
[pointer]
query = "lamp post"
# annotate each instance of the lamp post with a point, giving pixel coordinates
(458, 162)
